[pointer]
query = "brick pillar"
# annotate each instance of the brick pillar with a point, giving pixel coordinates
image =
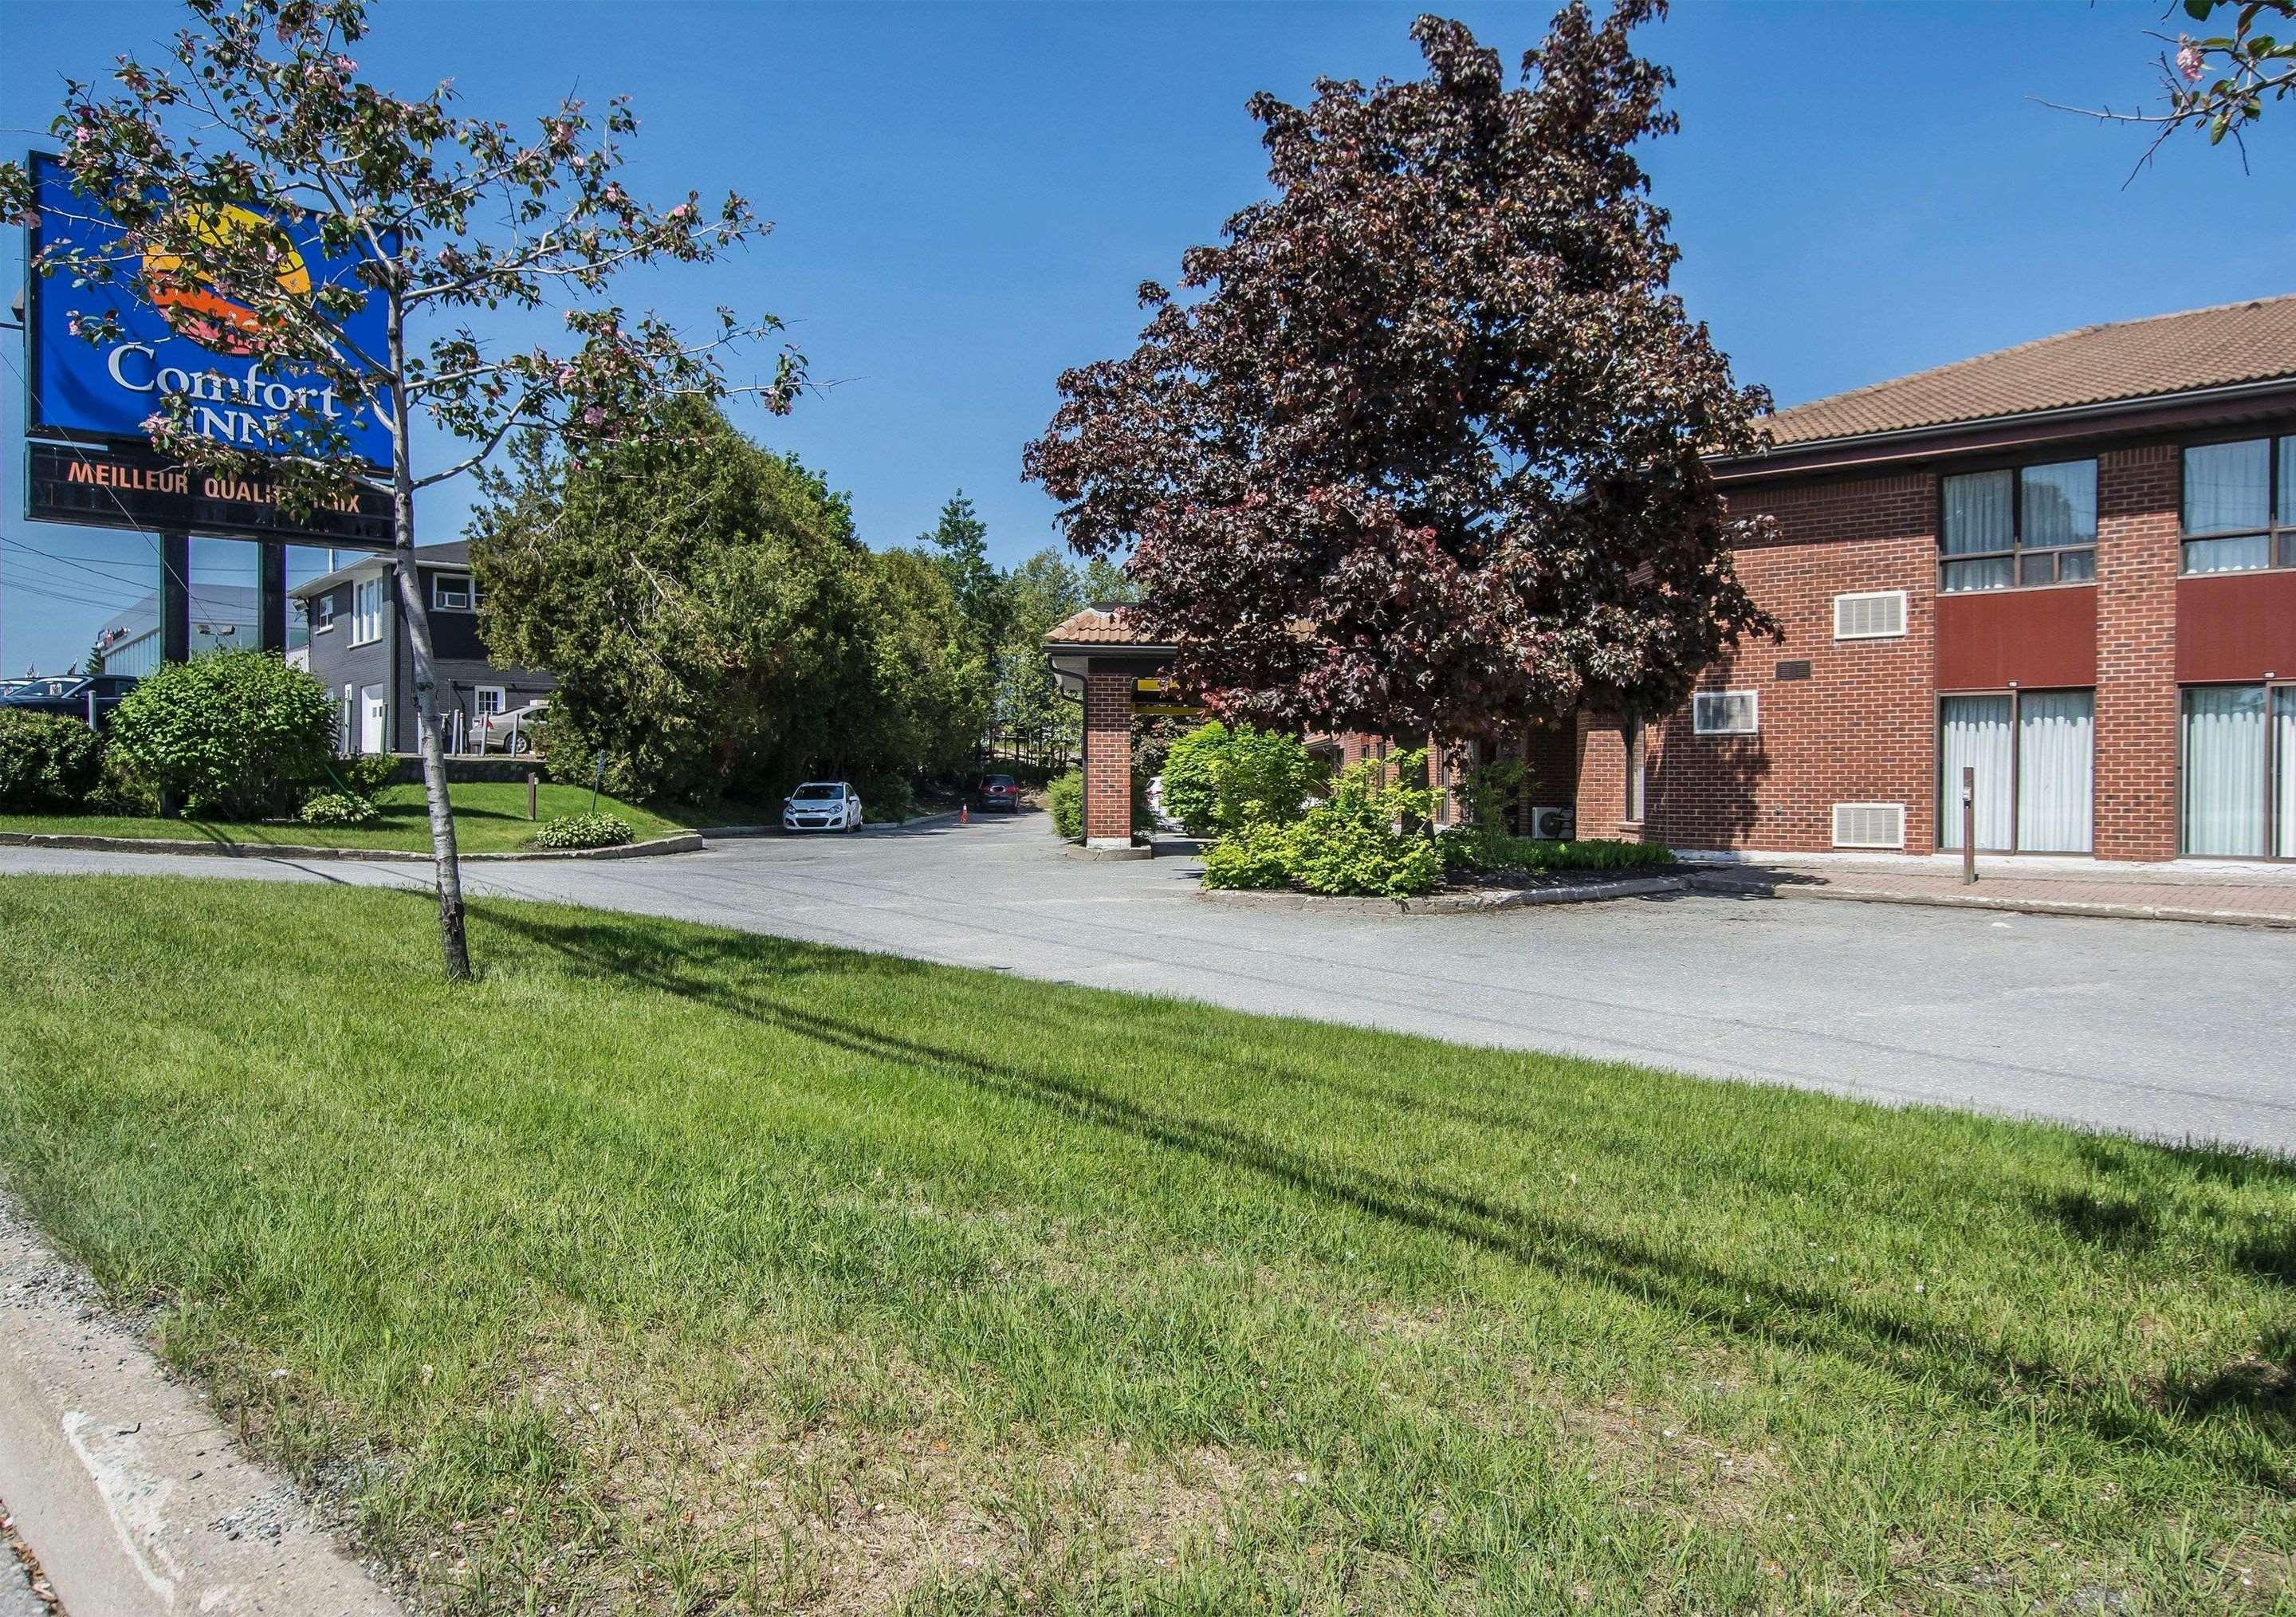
(2137, 528)
(1108, 760)
(1601, 797)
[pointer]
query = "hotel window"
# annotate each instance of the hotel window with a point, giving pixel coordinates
(2239, 768)
(1637, 771)
(2035, 757)
(452, 592)
(2029, 525)
(2240, 505)
(323, 613)
(366, 610)
(1726, 713)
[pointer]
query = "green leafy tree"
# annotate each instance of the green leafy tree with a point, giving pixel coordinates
(928, 706)
(1030, 707)
(261, 109)
(959, 546)
(717, 628)
(703, 603)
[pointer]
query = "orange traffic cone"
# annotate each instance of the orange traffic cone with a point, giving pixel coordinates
(964, 814)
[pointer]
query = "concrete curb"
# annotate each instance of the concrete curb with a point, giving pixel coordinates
(1450, 903)
(126, 1485)
(685, 842)
(2023, 906)
(1104, 856)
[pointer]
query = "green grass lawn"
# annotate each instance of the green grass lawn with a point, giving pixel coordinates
(489, 818)
(676, 1270)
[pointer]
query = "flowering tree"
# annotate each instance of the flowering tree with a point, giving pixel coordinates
(1425, 452)
(199, 173)
(2220, 82)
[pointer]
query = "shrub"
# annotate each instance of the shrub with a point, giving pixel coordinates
(1503, 852)
(363, 774)
(47, 761)
(585, 831)
(1064, 798)
(1367, 837)
(237, 735)
(1251, 856)
(338, 808)
(120, 793)
(1219, 780)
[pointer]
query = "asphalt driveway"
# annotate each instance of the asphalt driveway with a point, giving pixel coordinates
(2143, 1027)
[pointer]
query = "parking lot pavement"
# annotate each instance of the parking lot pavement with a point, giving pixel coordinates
(2143, 1027)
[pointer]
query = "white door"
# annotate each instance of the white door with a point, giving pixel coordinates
(370, 719)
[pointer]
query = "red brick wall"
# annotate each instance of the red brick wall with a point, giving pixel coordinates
(2138, 529)
(1861, 728)
(1108, 756)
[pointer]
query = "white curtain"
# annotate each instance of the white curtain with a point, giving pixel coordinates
(2224, 769)
(2283, 764)
(2056, 756)
(1978, 512)
(1976, 733)
(2227, 487)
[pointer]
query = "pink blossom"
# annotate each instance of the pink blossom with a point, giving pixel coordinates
(565, 375)
(2189, 61)
(684, 210)
(71, 324)
(344, 64)
(593, 417)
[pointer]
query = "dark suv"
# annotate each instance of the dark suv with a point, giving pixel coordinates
(87, 697)
(1000, 791)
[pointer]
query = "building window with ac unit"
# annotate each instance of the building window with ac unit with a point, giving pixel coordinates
(1726, 713)
(2240, 505)
(2034, 757)
(2029, 525)
(452, 592)
(2238, 767)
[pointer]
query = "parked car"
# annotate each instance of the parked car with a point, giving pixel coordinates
(82, 696)
(1000, 791)
(821, 806)
(512, 731)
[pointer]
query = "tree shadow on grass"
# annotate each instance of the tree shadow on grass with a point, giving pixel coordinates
(1918, 1351)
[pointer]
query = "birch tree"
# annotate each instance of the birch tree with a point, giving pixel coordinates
(199, 173)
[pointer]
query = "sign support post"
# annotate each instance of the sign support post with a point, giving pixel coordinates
(271, 598)
(174, 597)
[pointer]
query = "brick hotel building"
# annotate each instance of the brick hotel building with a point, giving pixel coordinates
(2070, 566)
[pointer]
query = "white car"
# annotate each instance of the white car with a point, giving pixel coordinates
(513, 732)
(821, 806)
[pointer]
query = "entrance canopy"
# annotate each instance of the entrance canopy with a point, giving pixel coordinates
(1103, 659)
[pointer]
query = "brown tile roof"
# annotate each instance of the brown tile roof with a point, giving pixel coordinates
(1099, 626)
(2128, 359)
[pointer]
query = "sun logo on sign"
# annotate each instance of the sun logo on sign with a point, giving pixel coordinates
(200, 312)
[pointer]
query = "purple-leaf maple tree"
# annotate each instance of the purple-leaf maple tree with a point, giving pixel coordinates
(1421, 445)
(194, 172)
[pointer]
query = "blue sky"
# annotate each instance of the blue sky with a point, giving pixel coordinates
(965, 196)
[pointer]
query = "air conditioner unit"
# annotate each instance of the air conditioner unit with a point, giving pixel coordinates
(1555, 824)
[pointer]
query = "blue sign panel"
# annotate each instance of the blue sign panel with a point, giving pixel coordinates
(107, 389)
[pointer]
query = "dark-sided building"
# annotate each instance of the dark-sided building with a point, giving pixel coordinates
(2067, 566)
(358, 649)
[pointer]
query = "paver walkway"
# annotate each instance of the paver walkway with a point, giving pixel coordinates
(2262, 895)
